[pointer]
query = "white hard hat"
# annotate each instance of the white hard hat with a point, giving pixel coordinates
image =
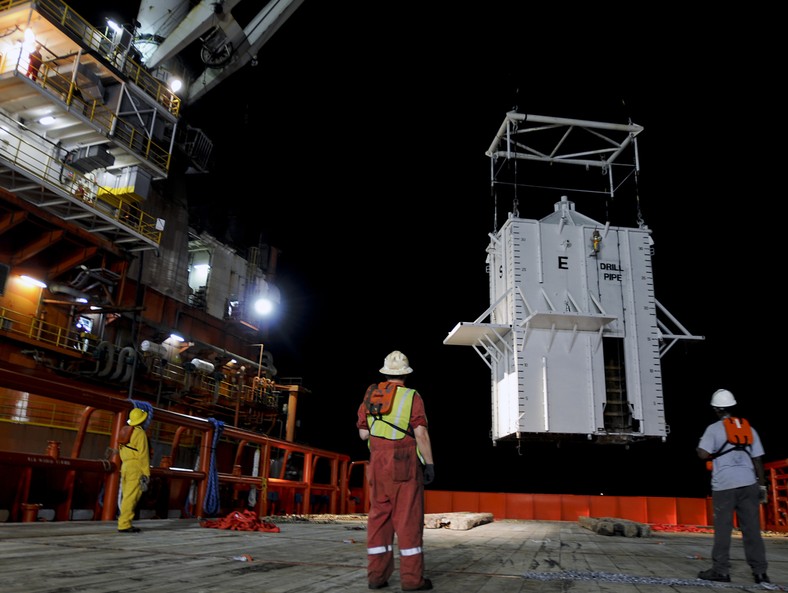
(396, 363)
(722, 398)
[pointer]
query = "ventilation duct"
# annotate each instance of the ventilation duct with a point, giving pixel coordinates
(90, 158)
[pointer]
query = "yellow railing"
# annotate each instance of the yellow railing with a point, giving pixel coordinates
(59, 12)
(35, 161)
(29, 327)
(32, 410)
(254, 401)
(7, 4)
(99, 115)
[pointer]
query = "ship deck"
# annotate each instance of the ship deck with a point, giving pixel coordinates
(323, 556)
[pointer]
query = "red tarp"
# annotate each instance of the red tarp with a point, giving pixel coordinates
(241, 521)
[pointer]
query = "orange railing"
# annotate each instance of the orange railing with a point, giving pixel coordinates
(72, 469)
(777, 505)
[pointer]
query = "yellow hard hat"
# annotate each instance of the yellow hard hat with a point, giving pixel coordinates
(136, 417)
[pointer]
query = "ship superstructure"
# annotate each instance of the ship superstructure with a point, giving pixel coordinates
(108, 296)
(87, 131)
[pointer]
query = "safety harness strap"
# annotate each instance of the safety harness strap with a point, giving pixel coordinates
(739, 436)
(408, 431)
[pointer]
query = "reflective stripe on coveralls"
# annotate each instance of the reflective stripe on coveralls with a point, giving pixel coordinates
(384, 549)
(410, 551)
(380, 549)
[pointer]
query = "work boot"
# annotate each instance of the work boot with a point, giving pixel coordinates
(425, 586)
(713, 575)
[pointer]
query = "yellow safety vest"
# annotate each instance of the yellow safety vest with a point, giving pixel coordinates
(396, 424)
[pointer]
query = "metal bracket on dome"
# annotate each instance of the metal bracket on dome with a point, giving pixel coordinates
(488, 339)
(666, 334)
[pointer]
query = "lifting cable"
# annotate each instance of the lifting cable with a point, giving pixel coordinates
(494, 195)
(515, 200)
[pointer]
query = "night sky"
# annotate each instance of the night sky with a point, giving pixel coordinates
(356, 146)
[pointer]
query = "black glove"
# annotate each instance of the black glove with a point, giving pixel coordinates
(429, 474)
(763, 495)
(144, 483)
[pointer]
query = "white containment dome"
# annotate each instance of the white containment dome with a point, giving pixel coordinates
(572, 337)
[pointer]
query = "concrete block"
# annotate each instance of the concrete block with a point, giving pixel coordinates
(459, 521)
(615, 526)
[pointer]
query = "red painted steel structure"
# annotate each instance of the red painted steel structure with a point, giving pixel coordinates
(322, 477)
(339, 489)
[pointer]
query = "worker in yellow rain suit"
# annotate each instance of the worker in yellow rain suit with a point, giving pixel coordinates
(134, 471)
(400, 465)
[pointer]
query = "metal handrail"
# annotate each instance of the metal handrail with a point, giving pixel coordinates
(34, 161)
(60, 13)
(31, 328)
(231, 469)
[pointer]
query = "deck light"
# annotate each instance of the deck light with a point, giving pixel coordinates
(33, 281)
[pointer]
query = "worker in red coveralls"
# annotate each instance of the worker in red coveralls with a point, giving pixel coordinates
(35, 59)
(134, 471)
(400, 464)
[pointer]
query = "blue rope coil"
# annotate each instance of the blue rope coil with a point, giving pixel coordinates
(211, 504)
